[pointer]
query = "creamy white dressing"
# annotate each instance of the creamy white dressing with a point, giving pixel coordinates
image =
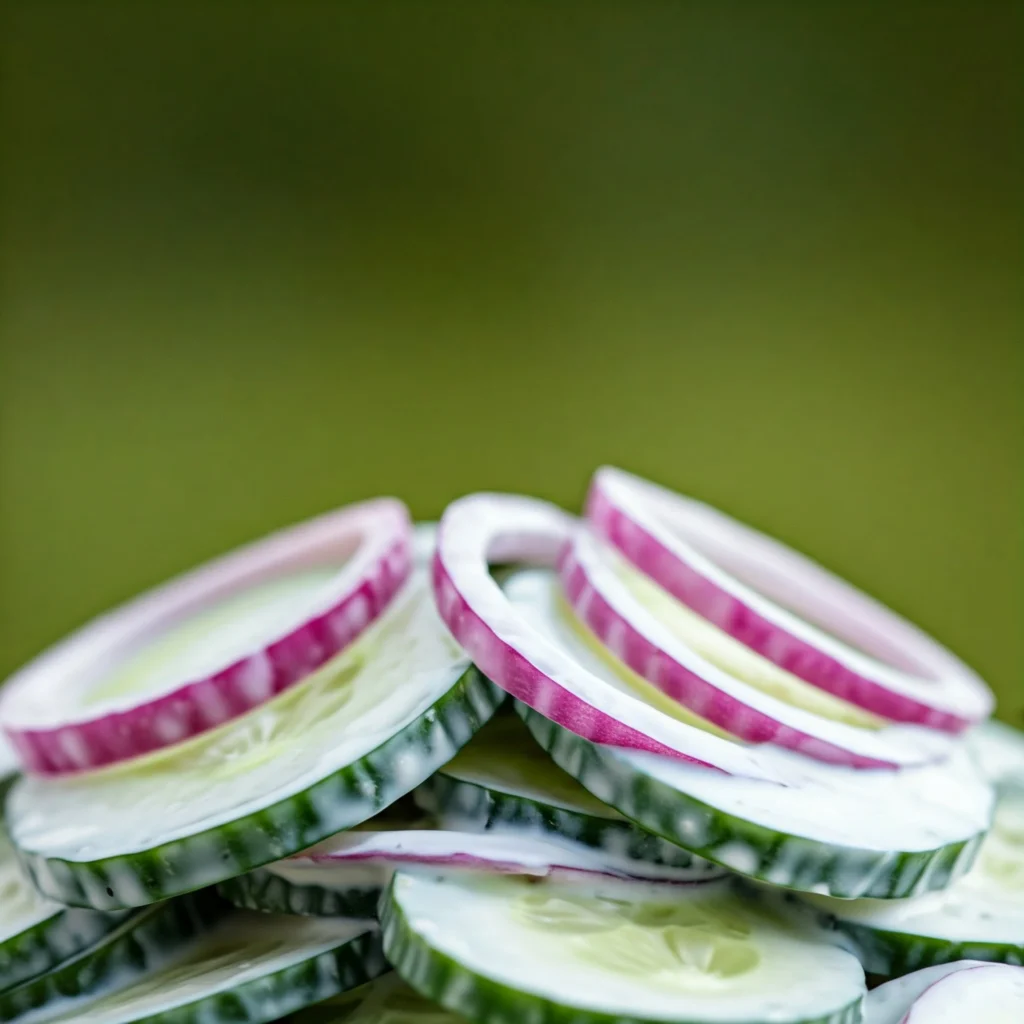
(631, 949)
(246, 947)
(918, 808)
(986, 905)
(386, 680)
(968, 990)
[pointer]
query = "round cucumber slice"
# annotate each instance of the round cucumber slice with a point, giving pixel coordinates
(500, 782)
(500, 950)
(36, 934)
(803, 824)
(209, 645)
(785, 607)
(325, 755)
(141, 941)
(385, 1001)
(249, 969)
(706, 670)
(951, 994)
(980, 917)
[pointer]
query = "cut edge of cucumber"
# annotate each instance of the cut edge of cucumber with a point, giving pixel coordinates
(461, 804)
(281, 829)
(269, 893)
(145, 939)
(779, 858)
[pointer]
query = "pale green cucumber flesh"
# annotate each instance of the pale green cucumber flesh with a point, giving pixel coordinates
(248, 969)
(267, 833)
(503, 950)
(142, 941)
(502, 782)
(751, 849)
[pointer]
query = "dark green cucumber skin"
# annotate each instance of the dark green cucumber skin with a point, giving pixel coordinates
(45, 945)
(474, 807)
(147, 938)
(274, 996)
(439, 977)
(893, 954)
(811, 866)
(345, 798)
(264, 891)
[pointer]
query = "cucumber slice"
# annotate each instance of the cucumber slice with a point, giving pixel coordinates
(500, 782)
(951, 994)
(715, 676)
(803, 824)
(250, 969)
(142, 941)
(785, 607)
(324, 756)
(980, 917)
(35, 933)
(502, 950)
(210, 645)
(385, 1001)
(266, 891)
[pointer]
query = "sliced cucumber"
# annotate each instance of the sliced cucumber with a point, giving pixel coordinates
(249, 969)
(501, 782)
(324, 756)
(980, 917)
(269, 892)
(385, 1001)
(950, 994)
(503, 950)
(804, 825)
(35, 933)
(141, 942)
(354, 892)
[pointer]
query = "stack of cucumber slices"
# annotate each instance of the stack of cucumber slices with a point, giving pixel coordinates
(640, 766)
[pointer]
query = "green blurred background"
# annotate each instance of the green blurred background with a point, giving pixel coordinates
(259, 260)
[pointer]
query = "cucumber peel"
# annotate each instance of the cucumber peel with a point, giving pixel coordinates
(36, 934)
(980, 917)
(388, 1000)
(500, 782)
(497, 950)
(325, 755)
(249, 969)
(141, 942)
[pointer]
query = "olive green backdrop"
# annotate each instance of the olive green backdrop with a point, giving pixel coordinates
(259, 260)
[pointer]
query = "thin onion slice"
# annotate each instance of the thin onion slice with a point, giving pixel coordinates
(210, 645)
(487, 529)
(645, 643)
(349, 854)
(785, 607)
